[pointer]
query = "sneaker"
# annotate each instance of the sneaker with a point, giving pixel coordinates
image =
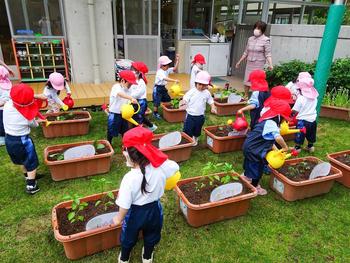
(310, 149)
(195, 140)
(146, 260)
(261, 191)
(153, 128)
(121, 261)
(32, 189)
(2, 141)
(157, 115)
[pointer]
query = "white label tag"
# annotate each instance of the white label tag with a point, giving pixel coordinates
(225, 191)
(210, 141)
(183, 207)
(278, 185)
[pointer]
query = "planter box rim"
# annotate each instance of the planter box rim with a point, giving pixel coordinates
(223, 104)
(172, 110)
(253, 192)
(88, 118)
(336, 108)
(331, 157)
(184, 135)
(335, 173)
(98, 156)
(209, 133)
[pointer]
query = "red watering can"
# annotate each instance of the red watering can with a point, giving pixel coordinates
(240, 123)
(68, 101)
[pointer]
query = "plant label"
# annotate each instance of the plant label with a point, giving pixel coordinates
(183, 207)
(225, 191)
(234, 98)
(322, 169)
(79, 152)
(170, 139)
(278, 185)
(210, 141)
(100, 221)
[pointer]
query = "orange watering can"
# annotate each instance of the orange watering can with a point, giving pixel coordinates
(176, 90)
(284, 129)
(240, 123)
(276, 158)
(68, 101)
(127, 111)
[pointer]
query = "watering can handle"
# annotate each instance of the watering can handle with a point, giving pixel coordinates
(138, 107)
(242, 115)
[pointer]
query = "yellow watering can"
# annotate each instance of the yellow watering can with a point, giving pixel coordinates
(128, 111)
(276, 158)
(284, 129)
(176, 90)
(172, 181)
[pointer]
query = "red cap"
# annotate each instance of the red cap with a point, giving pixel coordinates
(199, 58)
(23, 100)
(141, 138)
(277, 107)
(280, 93)
(258, 81)
(128, 76)
(141, 67)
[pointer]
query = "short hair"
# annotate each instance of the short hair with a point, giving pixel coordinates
(260, 25)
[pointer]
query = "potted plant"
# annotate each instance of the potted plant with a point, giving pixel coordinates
(336, 104)
(172, 111)
(178, 153)
(341, 161)
(66, 124)
(61, 169)
(194, 196)
(223, 138)
(223, 108)
(70, 217)
(292, 182)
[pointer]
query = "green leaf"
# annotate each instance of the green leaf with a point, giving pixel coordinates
(100, 146)
(67, 197)
(217, 177)
(74, 206)
(70, 216)
(110, 195)
(84, 204)
(80, 218)
(98, 202)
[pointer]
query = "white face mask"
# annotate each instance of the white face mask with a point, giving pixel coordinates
(128, 163)
(257, 32)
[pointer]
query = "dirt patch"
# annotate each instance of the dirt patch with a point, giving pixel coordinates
(183, 141)
(344, 158)
(67, 228)
(299, 171)
(29, 226)
(224, 131)
(198, 194)
(67, 117)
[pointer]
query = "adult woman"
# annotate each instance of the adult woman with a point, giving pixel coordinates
(257, 52)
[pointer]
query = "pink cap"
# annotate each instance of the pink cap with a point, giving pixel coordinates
(57, 80)
(164, 60)
(5, 82)
(203, 77)
(303, 75)
(306, 84)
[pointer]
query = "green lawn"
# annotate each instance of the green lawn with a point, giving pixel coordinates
(312, 230)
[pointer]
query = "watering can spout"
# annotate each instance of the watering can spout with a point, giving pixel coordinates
(284, 129)
(132, 121)
(276, 158)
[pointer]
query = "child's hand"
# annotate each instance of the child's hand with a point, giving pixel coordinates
(177, 57)
(240, 112)
(213, 109)
(117, 221)
(133, 101)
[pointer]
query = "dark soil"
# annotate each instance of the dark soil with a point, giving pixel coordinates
(67, 116)
(54, 158)
(225, 130)
(67, 228)
(197, 195)
(156, 142)
(299, 171)
(344, 158)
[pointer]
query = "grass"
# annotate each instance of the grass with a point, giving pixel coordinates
(311, 230)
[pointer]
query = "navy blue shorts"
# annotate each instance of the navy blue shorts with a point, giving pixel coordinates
(193, 125)
(22, 151)
(139, 117)
(116, 125)
(2, 130)
(147, 218)
(311, 128)
(253, 170)
(160, 94)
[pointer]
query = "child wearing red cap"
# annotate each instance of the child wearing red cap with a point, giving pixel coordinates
(139, 92)
(261, 140)
(5, 88)
(139, 193)
(260, 93)
(120, 95)
(160, 93)
(19, 116)
(196, 66)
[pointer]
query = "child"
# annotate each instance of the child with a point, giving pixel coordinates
(196, 66)
(160, 93)
(120, 95)
(139, 92)
(293, 88)
(2, 63)
(52, 90)
(5, 87)
(195, 100)
(305, 109)
(140, 191)
(261, 139)
(260, 93)
(19, 114)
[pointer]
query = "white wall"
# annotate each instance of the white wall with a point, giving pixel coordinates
(78, 34)
(303, 42)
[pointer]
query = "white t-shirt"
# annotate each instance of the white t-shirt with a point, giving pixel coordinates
(115, 101)
(14, 122)
(139, 91)
(306, 108)
(4, 96)
(161, 74)
(195, 69)
(196, 101)
(130, 187)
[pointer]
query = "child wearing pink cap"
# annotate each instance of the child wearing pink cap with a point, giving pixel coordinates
(5, 88)
(196, 67)
(160, 93)
(305, 111)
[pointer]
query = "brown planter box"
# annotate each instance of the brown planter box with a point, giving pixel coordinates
(223, 144)
(88, 242)
(204, 214)
(291, 191)
(335, 113)
(225, 109)
(80, 167)
(178, 153)
(173, 115)
(345, 169)
(68, 127)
